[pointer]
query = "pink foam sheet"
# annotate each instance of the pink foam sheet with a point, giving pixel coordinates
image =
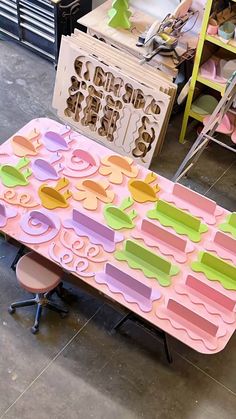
(199, 312)
(39, 226)
(98, 233)
(196, 204)
(223, 245)
(215, 302)
(131, 288)
(6, 212)
(196, 327)
(166, 241)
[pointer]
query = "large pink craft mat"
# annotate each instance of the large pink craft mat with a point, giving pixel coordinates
(13, 229)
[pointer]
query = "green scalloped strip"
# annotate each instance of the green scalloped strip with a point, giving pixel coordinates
(216, 269)
(182, 222)
(139, 257)
(230, 225)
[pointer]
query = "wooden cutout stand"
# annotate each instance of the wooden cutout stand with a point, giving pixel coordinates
(110, 97)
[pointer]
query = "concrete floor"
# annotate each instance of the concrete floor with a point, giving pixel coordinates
(74, 368)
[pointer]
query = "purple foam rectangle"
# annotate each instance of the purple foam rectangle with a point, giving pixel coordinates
(93, 225)
(128, 281)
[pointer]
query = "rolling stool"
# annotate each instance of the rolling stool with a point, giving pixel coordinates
(42, 278)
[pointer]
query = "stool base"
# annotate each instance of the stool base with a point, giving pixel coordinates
(41, 300)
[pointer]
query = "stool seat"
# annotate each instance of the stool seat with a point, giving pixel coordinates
(37, 274)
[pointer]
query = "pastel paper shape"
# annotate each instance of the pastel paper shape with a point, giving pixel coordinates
(86, 226)
(216, 269)
(91, 192)
(6, 213)
(55, 142)
(117, 167)
(12, 176)
(23, 146)
(214, 301)
(52, 198)
(152, 265)
(229, 226)
(44, 170)
(81, 164)
(117, 218)
(141, 190)
(167, 242)
(131, 288)
(182, 222)
(39, 226)
(24, 199)
(198, 205)
(223, 245)
(197, 327)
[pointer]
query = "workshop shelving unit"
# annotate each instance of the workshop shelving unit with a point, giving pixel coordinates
(196, 77)
(39, 24)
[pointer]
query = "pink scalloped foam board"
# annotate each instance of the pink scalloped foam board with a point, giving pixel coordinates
(76, 252)
(166, 241)
(197, 327)
(197, 204)
(214, 301)
(223, 245)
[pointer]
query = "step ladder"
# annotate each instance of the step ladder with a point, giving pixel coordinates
(207, 133)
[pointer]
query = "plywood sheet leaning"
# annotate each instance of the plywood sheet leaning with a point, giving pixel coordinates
(115, 106)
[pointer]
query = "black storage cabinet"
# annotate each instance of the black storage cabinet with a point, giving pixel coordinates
(39, 24)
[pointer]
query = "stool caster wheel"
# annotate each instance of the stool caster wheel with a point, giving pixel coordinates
(11, 310)
(34, 330)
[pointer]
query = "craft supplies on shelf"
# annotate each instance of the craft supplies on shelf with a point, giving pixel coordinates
(210, 73)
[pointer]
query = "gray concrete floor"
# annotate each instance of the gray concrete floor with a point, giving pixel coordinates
(74, 368)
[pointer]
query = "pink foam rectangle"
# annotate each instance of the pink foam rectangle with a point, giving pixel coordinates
(192, 317)
(164, 235)
(200, 201)
(210, 293)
